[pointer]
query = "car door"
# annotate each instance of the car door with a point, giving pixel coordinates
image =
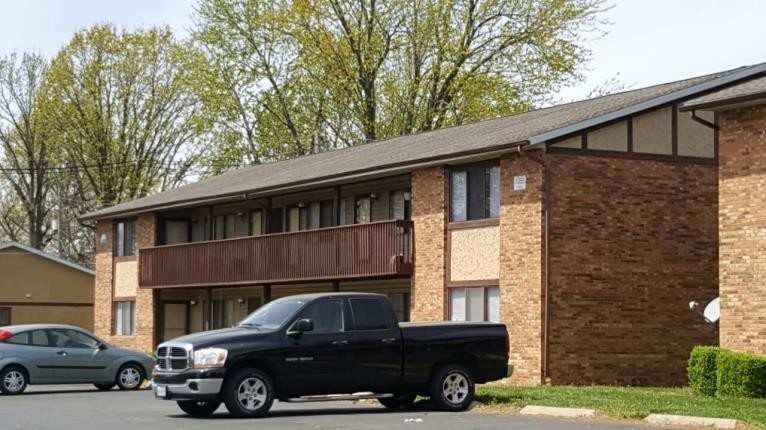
(374, 349)
(32, 349)
(313, 361)
(78, 358)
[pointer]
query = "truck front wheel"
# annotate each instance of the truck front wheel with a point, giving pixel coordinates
(248, 393)
(452, 388)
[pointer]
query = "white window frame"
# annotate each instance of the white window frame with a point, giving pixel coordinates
(123, 326)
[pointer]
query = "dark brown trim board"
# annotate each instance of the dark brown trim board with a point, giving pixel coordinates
(633, 156)
(474, 283)
(476, 223)
(56, 304)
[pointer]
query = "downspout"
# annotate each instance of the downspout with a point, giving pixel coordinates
(546, 257)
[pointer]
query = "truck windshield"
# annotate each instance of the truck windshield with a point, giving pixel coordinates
(272, 315)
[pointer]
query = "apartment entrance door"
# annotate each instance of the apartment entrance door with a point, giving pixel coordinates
(175, 320)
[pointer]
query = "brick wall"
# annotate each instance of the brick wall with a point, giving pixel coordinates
(144, 339)
(742, 217)
(631, 243)
(521, 267)
(429, 194)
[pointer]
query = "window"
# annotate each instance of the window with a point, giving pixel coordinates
(342, 216)
(363, 210)
(475, 304)
(19, 339)
(401, 304)
(124, 318)
(5, 316)
(223, 313)
(326, 315)
(313, 215)
(401, 206)
(294, 219)
(65, 338)
(176, 231)
(256, 222)
(125, 238)
(34, 338)
(224, 226)
(40, 338)
(368, 314)
(475, 192)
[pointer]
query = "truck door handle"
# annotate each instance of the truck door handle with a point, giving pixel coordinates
(61, 353)
(388, 340)
(340, 342)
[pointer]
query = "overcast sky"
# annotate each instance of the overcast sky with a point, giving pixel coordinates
(649, 41)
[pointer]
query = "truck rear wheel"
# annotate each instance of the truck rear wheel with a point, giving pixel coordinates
(248, 393)
(198, 409)
(452, 388)
(400, 401)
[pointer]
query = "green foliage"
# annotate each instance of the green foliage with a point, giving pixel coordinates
(741, 374)
(702, 370)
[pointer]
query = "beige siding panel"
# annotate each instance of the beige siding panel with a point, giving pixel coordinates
(29, 278)
(125, 278)
(475, 254)
(653, 132)
(610, 138)
(80, 316)
(572, 142)
(695, 139)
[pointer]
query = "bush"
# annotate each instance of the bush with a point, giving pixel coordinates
(741, 375)
(702, 370)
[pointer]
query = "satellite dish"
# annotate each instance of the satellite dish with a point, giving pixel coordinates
(713, 311)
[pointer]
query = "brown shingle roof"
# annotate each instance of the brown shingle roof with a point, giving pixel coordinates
(482, 136)
(747, 91)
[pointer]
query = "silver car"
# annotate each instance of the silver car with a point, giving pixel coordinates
(63, 354)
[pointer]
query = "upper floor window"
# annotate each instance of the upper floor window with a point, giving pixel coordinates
(400, 204)
(309, 216)
(475, 192)
(256, 222)
(125, 238)
(363, 212)
(224, 226)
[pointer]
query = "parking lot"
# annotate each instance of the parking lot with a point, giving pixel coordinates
(82, 407)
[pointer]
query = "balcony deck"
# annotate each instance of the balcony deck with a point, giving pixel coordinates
(361, 251)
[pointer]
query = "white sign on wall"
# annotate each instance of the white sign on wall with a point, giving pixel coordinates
(519, 183)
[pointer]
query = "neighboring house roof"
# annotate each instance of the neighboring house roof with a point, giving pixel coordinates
(6, 245)
(398, 154)
(743, 93)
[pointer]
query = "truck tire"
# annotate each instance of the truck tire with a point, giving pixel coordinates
(248, 393)
(399, 401)
(452, 388)
(198, 409)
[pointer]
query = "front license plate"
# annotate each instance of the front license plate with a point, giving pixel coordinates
(161, 391)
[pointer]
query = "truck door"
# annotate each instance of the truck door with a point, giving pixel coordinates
(374, 348)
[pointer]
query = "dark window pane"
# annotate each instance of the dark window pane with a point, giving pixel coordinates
(458, 199)
(219, 230)
(5, 316)
(276, 223)
(477, 193)
(314, 215)
(326, 315)
(327, 214)
(368, 314)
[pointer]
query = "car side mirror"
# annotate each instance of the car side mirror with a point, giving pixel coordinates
(301, 326)
(102, 346)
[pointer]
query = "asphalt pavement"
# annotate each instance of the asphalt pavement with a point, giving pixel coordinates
(83, 408)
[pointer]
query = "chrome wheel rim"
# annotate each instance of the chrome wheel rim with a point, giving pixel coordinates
(252, 393)
(455, 388)
(13, 381)
(130, 377)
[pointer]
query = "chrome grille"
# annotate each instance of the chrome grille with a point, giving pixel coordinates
(173, 357)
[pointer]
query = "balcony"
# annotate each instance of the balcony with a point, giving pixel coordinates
(374, 250)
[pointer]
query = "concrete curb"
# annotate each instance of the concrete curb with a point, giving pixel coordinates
(686, 421)
(558, 412)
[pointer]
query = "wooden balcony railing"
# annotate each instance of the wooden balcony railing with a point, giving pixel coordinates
(378, 249)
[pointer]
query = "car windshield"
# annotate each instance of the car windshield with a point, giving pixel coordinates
(272, 315)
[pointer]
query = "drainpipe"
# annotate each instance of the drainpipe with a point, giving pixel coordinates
(546, 258)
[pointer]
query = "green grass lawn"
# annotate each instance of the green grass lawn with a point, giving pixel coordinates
(626, 402)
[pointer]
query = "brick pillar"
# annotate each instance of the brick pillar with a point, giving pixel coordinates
(742, 222)
(429, 194)
(521, 267)
(145, 298)
(102, 311)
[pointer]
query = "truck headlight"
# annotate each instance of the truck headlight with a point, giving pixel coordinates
(210, 357)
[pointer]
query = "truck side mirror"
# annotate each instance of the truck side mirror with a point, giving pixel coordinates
(301, 326)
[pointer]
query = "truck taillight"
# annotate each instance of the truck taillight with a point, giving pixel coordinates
(4, 335)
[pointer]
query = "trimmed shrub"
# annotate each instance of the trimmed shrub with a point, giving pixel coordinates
(702, 370)
(741, 375)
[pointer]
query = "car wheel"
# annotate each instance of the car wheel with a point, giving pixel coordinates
(130, 377)
(13, 380)
(400, 401)
(105, 387)
(248, 393)
(452, 388)
(198, 409)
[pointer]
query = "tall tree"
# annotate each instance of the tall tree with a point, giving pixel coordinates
(327, 73)
(123, 113)
(26, 152)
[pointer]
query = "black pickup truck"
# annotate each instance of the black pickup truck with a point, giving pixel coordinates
(334, 346)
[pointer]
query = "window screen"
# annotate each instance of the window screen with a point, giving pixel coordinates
(369, 314)
(124, 318)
